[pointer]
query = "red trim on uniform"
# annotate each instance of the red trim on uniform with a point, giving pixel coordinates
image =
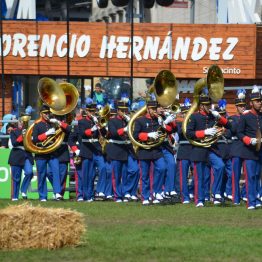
(88, 132)
(246, 140)
(212, 178)
(121, 131)
(173, 123)
(151, 179)
(200, 134)
(143, 136)
(168, 128)
(12, 184)
(64, 125)
(233, 182)
(77, 183)
(223, 121)
(202, 112)
(79, 118)
(181, 179)
(196, 183)
(246, 180)
(253, 111)
(19, 139)
(148, 116)
(140, 180)
(74, 148)
(114, 183)
(42, 137)
(119, 117)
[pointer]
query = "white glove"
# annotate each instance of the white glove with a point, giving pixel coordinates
(54, 121)
(215, 114)
(95, 119)
(160, 121)
(127, 118)
(77, 152)
(126, 129)
(253, 141)
(169, 119)
(153, 135)
(210, 131)
(50, 131)
(94, 128)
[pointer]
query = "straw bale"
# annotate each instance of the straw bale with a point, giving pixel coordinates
(25, 226)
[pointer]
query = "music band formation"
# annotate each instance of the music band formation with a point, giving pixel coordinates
(140, 155)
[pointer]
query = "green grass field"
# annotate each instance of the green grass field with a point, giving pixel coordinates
(132, 232)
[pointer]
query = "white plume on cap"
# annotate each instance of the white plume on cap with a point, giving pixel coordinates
(241, 94)
(255, 89)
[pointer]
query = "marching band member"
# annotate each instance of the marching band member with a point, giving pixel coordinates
(237, 146)
(222, 147)
(20, 160)
(250, 123)
(146, 128)
(168, 153)
(41, 131)
(201, 125)
(62, 152)
(183, 156)
(117, 150)
(98, 156)
(88, 131)
(74, 141)
(109, 170)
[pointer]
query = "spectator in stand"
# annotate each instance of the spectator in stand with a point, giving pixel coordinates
(99, 96)
(7, 128)
(146, 95)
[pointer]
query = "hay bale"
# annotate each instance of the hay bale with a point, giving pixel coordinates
(25, 226)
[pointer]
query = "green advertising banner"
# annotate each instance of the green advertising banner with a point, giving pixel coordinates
(5, 180)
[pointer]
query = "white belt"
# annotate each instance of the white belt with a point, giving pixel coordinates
(234, 138)
(183, 143)
(91, 140)
(19, 147)
(120, 142)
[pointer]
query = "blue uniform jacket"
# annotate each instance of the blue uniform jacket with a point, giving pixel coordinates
(116, 132)
(184, 148)
(237, 145)
(18, 155)
(249, 123)
(143, 126)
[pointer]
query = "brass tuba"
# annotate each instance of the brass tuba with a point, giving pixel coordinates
(215, 84)
(60, 98)
(165, 89)
(104, 115)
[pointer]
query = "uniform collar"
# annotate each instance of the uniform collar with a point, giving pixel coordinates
(148, 116)
(202, 112)
(253, 111)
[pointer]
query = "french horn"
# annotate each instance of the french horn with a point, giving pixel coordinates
(215, 84)
(62, 99)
